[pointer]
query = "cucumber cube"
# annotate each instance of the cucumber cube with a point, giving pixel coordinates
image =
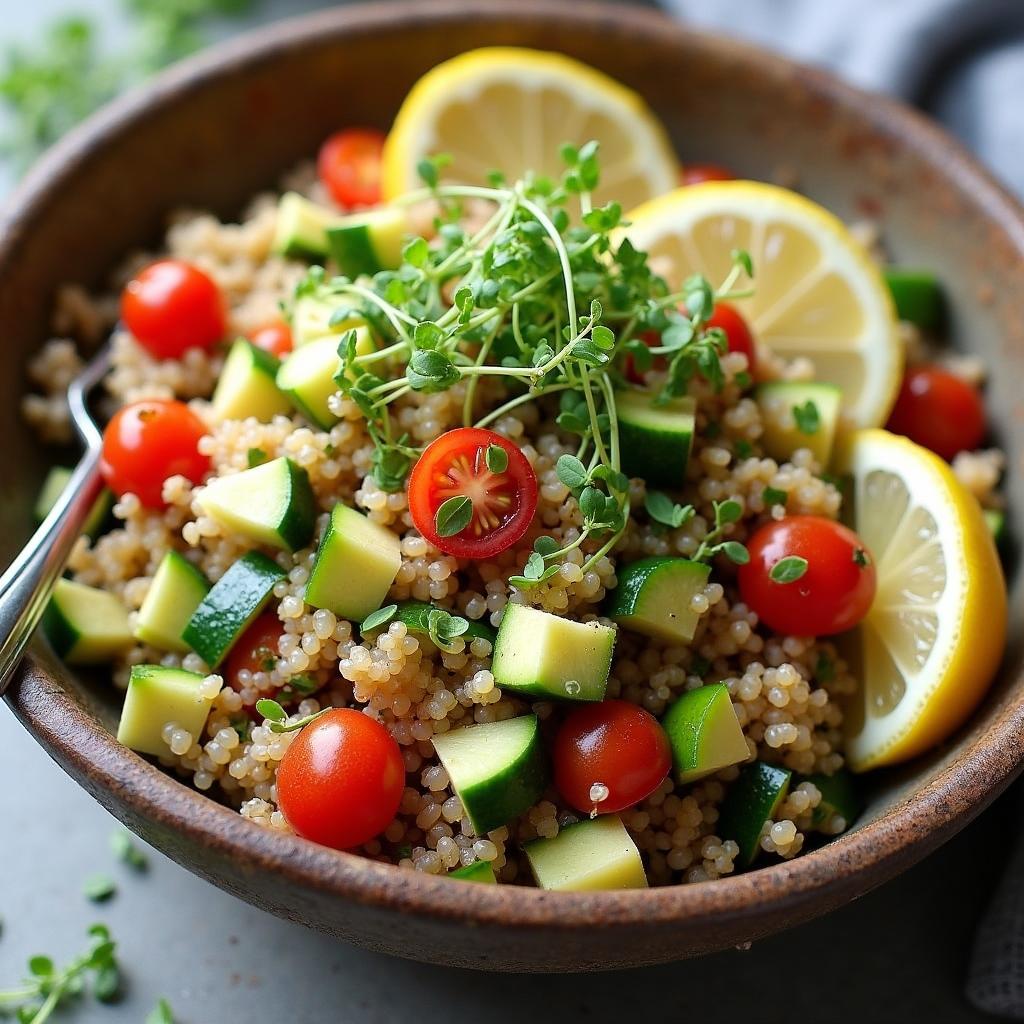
(917, 295)
(177, 590)
(356, 563)
(53, 487)
(839, 796)
(498, 769)
(301, 230)
(307, 375)
(704, 733)
(271, 504)
(546, 655)
(653, 597)
(312, 318)
(799, 414)
(231, 605)
(753, 799)
(156, 696)
(86, 626)
(597, 853)
(248, 385)
(366, 243)
(655, 440)
(478, 871)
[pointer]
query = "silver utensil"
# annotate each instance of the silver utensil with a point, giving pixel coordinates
(26, 586)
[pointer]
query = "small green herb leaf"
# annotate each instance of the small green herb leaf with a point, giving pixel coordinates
(727, 512)
(99, 888)
(378, 618)
(124, 849)
(161, 1013)
(571, 472)
(741, 258)
(496, 458)
(807, 417)
(271, 710)
(824, 669)
(255, 457)
(735, 552)
(453, 515)
(788, 569)
(662, 509)
(861, 558)
(773, 496)
(40, 966)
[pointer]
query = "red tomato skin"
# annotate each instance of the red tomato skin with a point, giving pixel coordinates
(938, 410)
(172, 306)
(724, 316)
(694, 174)
(832, 596)
(341, 780)
(148, 441)
(424, 500)
(737, 332)
(275, 338)
(349, 165)
(254, 651)
(615, 743)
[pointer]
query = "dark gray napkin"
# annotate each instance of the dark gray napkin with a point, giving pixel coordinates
(963, 62)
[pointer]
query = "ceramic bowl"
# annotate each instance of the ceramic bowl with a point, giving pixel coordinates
(216, 129)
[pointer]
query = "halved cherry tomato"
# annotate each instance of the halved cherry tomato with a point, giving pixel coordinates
(833, 593)
(939, 410)
(341, 780)
(455, 465)
(349, 166)
(694, 174)
(614, 744)
(146, 442)
(724, 316)
(275, 338)
(172, 306)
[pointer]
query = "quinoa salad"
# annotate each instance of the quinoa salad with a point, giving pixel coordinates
(533, 525)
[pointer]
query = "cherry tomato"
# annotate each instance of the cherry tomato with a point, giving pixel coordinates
(613, 744)
(939, 410)
(171, 307)
(737, 332)
(694, 174)
(455, 465)
(275, 338)
(724, 316)
(835, 590)
(349, 166)
(341, 780)
(146, 442)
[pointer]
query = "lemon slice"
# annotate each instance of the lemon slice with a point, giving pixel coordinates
(927, 650)
(508, 109)
(816, 292)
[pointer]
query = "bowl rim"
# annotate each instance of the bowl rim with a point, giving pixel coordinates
(844, 868)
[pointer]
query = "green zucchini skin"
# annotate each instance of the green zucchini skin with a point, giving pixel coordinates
(231, 605)
(752, 800)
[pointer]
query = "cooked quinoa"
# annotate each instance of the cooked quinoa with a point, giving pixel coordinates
(786, 690)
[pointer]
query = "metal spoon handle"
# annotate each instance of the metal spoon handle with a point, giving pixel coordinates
(26, 586)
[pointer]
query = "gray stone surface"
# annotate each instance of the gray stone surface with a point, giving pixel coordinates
(899, 954)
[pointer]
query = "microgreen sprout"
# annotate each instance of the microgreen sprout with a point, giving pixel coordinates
(545, 298)
(48, 987)
(276, 718)
(774, 496)
(726, 513)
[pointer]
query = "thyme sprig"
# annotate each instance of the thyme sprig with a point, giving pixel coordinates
(544, 298)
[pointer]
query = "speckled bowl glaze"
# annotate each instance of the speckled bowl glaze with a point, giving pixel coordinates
(214, 130)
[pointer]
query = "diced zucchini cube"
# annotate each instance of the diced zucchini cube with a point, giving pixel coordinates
(177, 589)
(271, 504)
(653, 597)
(312, 317)
(248, 385)
(546, 655)
(704, 733)
(157, 696)
(799, 414)
(86, 626)
(301, 230)
(366, 243)
(597, 853)
(655, 440)
(356, 563)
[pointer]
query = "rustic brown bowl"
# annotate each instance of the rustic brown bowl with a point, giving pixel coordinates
(212, 131)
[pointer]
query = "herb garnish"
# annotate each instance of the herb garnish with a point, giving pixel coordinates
(539, 302)
(861, 558)
(49, 986)
(807, 417)
(276, 718)
(788, 569)
(99, 888)
(161, 1013)
(726, 513)
(774, 496)
(124, 849)
(662, 509)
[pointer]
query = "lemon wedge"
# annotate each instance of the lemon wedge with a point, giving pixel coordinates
(926, 652)
(510, 109)
(815, 291)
